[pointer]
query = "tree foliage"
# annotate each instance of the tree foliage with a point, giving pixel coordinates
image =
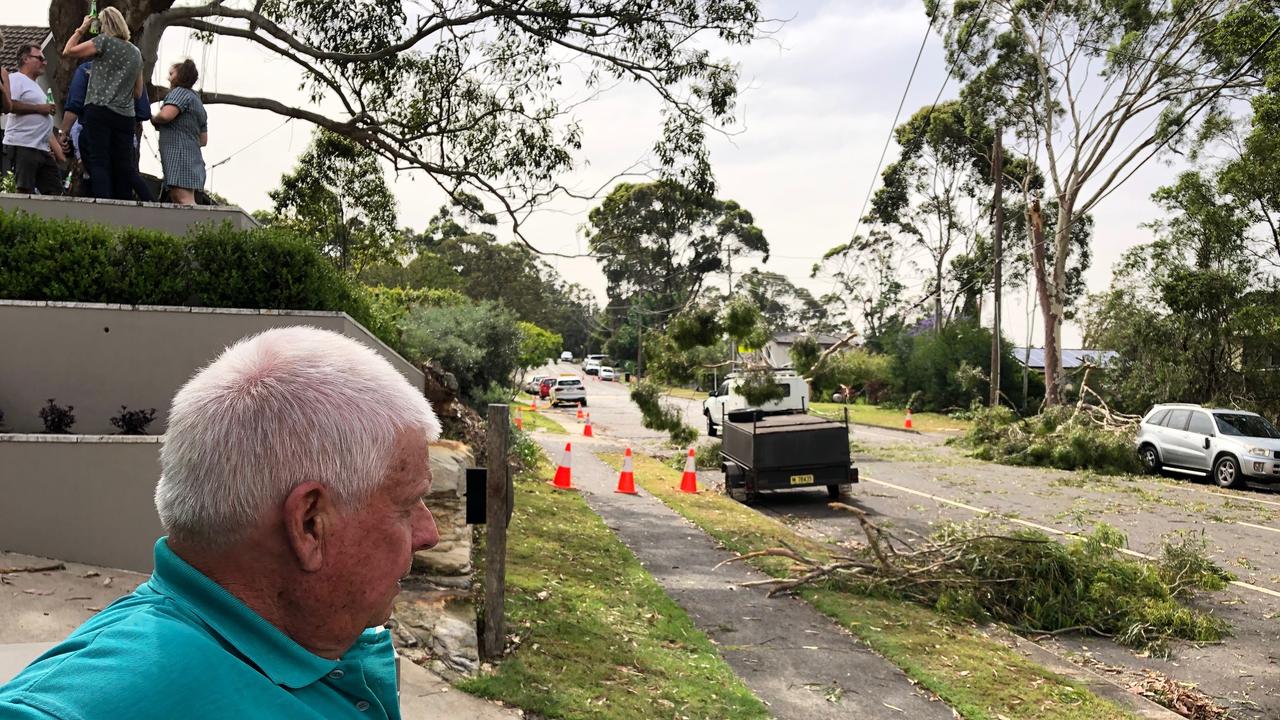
(337, 196)
(1069, 82)
(479, 343)
(663, 239)
(1192, 314)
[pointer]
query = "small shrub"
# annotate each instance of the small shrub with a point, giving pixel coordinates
(57, 419)
(133, 422)
(524, 452)
(705, 457)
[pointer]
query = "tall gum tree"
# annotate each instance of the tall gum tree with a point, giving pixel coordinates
(469, 92)
(1089, 91)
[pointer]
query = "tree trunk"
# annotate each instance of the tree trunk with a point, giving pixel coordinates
(65, 16)
(1052, 316)
(937, 297)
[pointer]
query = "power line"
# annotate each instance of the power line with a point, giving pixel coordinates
(888, 139)
(255, 142)
(964, 46)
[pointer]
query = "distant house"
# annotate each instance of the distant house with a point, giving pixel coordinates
(1033, 358)
(777, 352)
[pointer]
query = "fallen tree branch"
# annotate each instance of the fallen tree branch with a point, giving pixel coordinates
(32, 569)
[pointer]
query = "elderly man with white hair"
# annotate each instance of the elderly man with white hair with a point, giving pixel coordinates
(293, 473)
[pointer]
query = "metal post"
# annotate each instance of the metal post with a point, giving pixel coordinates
(497, 502)
(997, 240)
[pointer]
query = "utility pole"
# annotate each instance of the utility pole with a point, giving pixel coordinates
(997, 242)
(639, 343)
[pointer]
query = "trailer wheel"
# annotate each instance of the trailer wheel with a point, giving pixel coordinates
(835, 491)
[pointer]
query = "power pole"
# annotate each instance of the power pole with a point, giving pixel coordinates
(997, 241)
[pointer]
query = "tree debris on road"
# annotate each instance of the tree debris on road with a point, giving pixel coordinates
(1024, 579)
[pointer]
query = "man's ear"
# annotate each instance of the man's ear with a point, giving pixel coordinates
(309, 515)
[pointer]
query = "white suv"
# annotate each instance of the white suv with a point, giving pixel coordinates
(568, 391)
(1230, 446)
(727, 398)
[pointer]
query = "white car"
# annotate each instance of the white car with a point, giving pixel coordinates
(606, 373)
(566, 356)
(568, 391)
(726, 399)
(531, 386)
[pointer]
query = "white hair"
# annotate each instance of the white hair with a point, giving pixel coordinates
(284, 407)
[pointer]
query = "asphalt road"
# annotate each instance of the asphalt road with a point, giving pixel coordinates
(915, 482)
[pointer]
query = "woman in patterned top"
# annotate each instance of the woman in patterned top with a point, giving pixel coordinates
(184, 129)
(106, 140)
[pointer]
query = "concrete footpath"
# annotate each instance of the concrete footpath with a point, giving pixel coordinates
(791, 656)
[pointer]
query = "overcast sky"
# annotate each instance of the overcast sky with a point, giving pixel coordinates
(817, 103)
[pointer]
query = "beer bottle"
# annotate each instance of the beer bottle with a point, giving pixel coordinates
(94, 26)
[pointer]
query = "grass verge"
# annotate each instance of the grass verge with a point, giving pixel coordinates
(598, 637)
(891, 418)
(980, 677)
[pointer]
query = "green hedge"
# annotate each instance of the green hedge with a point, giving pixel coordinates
(213, 266)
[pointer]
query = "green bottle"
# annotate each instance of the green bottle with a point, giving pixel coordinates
(48, 96)
(94, 27)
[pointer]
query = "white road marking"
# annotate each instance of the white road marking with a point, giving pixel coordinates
(1260, 527)
(1050, 530)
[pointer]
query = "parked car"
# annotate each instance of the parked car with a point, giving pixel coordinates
(544, 387)
(568, 391)
(727, 399)
(1230, 446)
(566, 356)
(531, 386)
(606, 373)
(591, 365)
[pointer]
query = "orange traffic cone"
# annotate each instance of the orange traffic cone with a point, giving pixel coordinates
(562, 479)
(907, 423)
(627, 479)
(519, 420)
(534, 404)
(586, 429)
(689, 481)
(579, 413)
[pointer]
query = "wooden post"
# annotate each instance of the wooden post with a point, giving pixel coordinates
(997, 240)
(497, 499)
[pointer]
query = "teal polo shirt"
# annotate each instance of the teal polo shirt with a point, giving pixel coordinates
(180, 646)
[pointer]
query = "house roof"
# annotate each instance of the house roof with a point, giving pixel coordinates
(787, 338)
(15, 36)
(1071, 358)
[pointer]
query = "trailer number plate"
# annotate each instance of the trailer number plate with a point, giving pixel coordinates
(801, 479)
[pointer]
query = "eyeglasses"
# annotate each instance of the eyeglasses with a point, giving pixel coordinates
(37, 57)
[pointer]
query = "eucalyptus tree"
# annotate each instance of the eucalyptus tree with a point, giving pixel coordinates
(663, 240)
(1089, 91)
(474, 93)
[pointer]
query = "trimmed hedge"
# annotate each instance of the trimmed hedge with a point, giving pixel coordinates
(212, 266)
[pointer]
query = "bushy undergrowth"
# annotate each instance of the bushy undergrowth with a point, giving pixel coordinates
(1035, 584)
(705, 457)
(1053, 438)
(524, 452)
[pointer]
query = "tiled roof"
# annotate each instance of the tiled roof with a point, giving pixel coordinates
(15, 36)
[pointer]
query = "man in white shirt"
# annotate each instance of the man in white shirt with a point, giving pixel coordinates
(31, 149)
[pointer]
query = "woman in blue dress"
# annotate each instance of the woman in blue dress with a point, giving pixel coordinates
(184, 129)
